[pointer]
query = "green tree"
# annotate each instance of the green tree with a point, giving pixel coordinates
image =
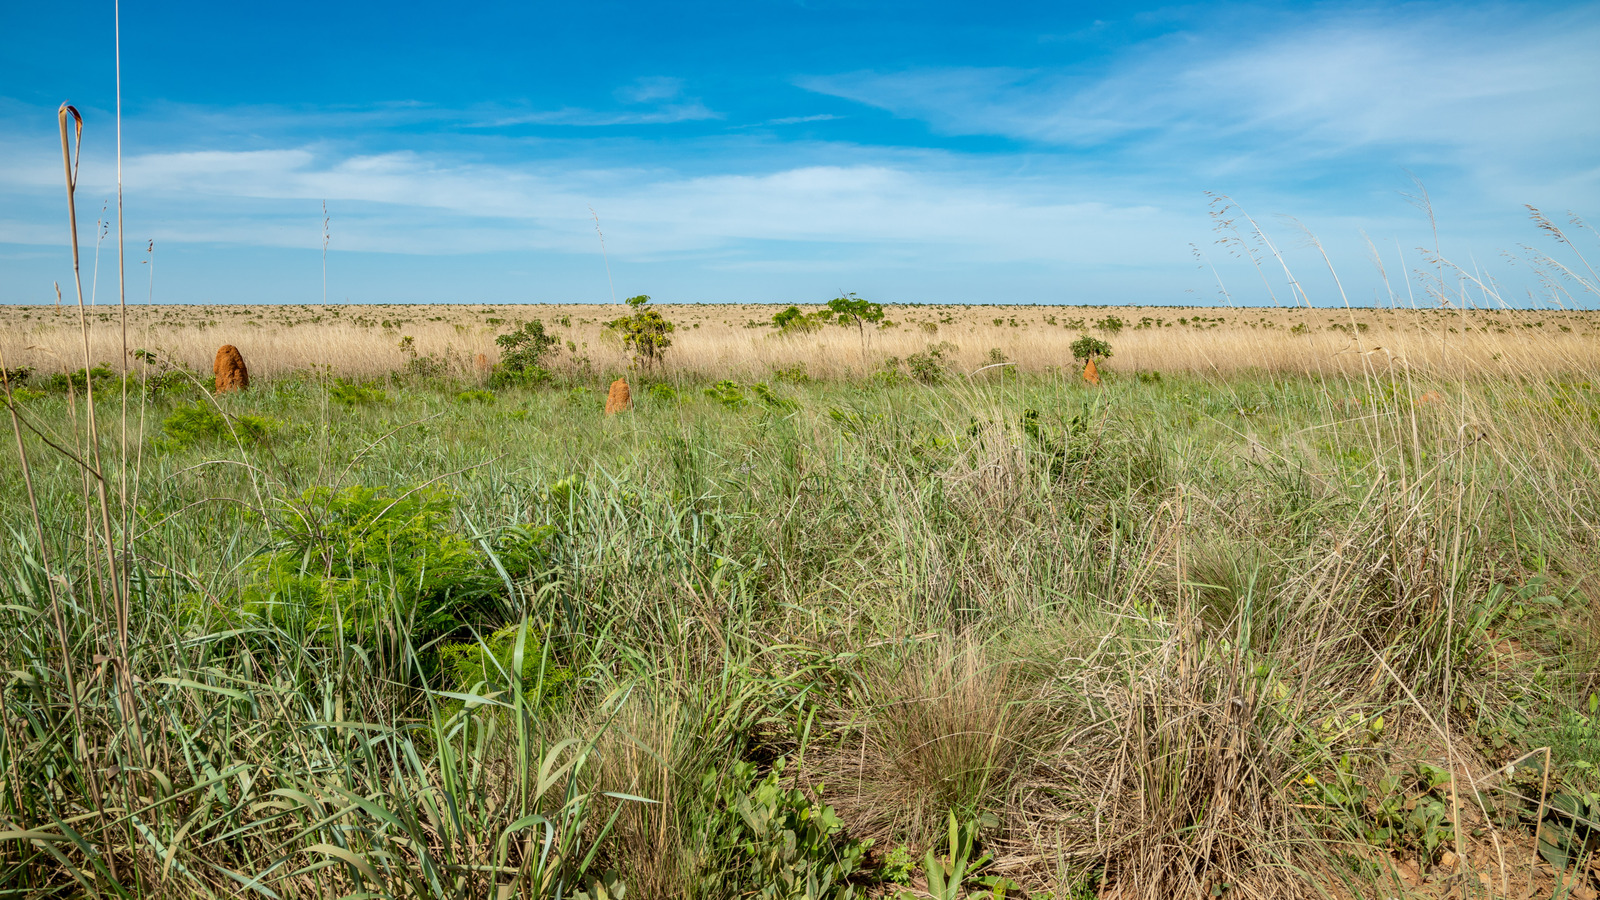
(644, 332)
(852, 310)
(524, 349)
(1086, 348)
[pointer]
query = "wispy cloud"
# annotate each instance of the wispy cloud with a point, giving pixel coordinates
(1497, 91)
(796, 120)
(663, 94)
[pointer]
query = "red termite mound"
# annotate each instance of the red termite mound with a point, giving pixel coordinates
(230, 370)
(618, 399)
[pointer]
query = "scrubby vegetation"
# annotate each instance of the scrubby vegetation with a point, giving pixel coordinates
(933, 634)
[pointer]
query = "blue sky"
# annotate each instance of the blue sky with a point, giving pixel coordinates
(767, 151)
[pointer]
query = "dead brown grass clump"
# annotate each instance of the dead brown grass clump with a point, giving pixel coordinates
(1191, 796)
(618, 399)
(230, 370)
(944, 730)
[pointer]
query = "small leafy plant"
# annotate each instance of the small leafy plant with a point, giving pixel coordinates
(728, 393)
(200, 423)
(523, 352)
(930, 366)
(775, 843)
(362, 559)
(352, 393)
(643, 332)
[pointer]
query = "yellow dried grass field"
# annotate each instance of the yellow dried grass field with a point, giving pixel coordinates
(738, 340)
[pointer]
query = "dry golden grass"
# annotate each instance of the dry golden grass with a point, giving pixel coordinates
(737, 340)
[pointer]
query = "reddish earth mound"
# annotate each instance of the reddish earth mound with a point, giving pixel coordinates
(618, 399)
(230, 370)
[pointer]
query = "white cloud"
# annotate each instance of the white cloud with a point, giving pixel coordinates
(1498, 92)
(423, 203)
(796, 120)
(650, 89)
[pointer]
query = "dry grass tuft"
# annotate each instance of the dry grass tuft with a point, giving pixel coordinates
(939, 730)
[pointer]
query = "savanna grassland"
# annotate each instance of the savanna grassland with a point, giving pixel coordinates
(739, 340)
(1295, 603)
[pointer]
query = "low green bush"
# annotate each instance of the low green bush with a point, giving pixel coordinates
(201, 422)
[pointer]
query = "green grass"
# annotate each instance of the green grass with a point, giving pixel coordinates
(1168, 637)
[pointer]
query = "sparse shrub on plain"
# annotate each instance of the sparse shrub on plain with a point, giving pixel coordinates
(1089, 349)
(931, 365)
(102, 376)
(643, 332)
(1109, 324)
(793, 321)
(888, 373)
(475, 396)
(523, 351)
(662, 392)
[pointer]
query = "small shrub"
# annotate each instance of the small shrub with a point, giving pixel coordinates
(79, 380)
(1110, 325)
(644, 332)
(361, 559)
(889, 374)
(662, 392)
(201, 422)
(793, 321)
(350, 393)
(523, 351)
(728, 394)
(1088, 348)
(490, 663)
(898, 866)
(930, 366)
(475, 396)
